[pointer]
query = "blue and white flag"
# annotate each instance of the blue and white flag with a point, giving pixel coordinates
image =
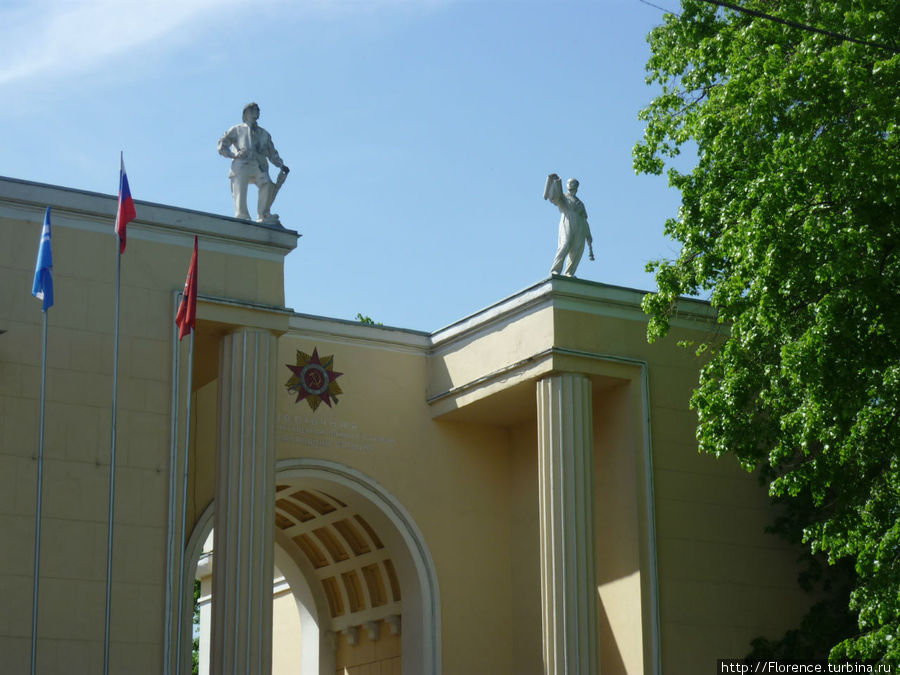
(43, 275)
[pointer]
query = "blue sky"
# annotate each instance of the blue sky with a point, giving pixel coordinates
(419, 133)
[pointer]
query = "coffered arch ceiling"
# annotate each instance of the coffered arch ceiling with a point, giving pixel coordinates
(357, 559)
(341, 550)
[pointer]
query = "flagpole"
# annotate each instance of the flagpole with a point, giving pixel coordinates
(184, 489)
(40, 484)
(112, 468)
(171, 556)
(185, 318)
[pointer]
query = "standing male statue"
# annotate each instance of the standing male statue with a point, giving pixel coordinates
(250, 147)
(573, 225)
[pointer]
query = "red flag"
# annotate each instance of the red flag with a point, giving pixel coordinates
(187, 310)
(125, 213)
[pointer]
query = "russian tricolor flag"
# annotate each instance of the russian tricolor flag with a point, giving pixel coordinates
(126, 213)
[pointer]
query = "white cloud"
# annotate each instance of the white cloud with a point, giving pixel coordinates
(39, 38)
(62, 37)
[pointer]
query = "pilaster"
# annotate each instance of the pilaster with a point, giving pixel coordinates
(244, 498)
(568, 580)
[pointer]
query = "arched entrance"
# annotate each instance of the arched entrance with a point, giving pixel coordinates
(359, 572)
(368, 571)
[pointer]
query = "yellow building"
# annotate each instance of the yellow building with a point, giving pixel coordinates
(517, 493)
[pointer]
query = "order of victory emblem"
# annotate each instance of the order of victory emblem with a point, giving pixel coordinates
(313, 379)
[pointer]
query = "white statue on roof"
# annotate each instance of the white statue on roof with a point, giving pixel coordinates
(574, 230)
(250, 148)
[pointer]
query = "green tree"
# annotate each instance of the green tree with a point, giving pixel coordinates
(366, 319)
(789, 224)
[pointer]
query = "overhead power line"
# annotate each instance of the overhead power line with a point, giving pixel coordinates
(661, 9)
(802, 26)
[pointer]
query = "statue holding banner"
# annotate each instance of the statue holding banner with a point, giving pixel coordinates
(250, 148)
(573, 225)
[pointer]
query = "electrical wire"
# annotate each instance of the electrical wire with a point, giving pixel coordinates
(661, 9)
(801, 26)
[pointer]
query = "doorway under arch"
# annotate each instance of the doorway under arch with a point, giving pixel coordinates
(366, 565)
(358, 569)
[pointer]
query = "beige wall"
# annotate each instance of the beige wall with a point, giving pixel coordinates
(525, 563)
(370, 656)
(78, 416)
(469, 479)
(452, 477)
(444, 424)
(619, 535)
(722, 580)
(77, 447)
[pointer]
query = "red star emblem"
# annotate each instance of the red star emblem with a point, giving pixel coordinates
(313, 379)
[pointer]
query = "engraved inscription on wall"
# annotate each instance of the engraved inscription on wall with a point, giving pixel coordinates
(313, 432)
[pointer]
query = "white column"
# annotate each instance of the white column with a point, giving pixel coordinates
(244, 499)
(568, 585)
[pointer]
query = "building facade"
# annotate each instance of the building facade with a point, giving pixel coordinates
(519, 492)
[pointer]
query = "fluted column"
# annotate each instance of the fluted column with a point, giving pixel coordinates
(568, 585)
(245, 492)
